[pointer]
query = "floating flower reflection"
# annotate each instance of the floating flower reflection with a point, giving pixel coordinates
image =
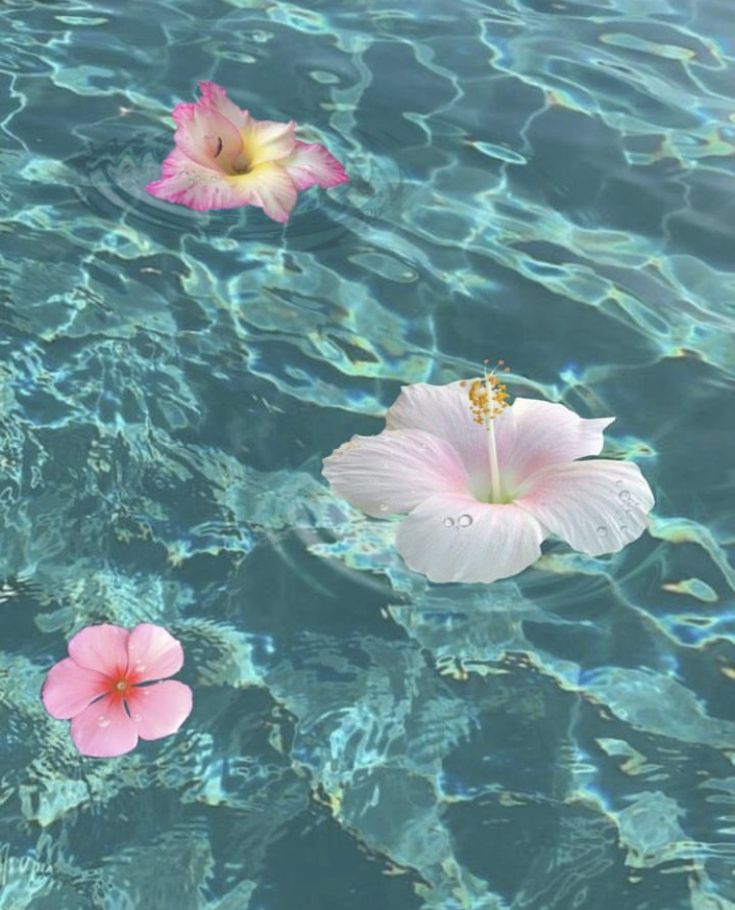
(224, 158)
(485, 482)
(107, 687)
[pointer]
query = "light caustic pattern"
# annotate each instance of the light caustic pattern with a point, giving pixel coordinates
(547, 182)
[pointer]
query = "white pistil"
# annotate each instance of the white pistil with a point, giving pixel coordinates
(488, 399)
(492, 452)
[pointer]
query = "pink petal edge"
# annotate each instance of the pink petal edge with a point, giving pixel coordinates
(104, 730)
(215, 96)
(161, 708)
(313, 164)
(153, 652)
(203, 134)
(69, 688)
(103, 648)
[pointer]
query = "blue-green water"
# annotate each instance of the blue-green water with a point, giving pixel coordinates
(546, 182)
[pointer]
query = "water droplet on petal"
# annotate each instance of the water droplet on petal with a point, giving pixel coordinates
(602, 531)
(624, 495)
(448, 522)
(103, 721)
(464, 521)
(383, 507)
(624, 528)
(618, 483)
(145, 690)
(137, 718)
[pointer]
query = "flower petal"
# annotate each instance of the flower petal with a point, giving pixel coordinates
(533, 435)
(313, 164)
(103, 648)
(215, 97)
(456, 538)
(596, 506)
(269, 187)
(444, 411)
(530, 435)
(69, 688)
(394, 471)
(200, 188)
(205, 135)
(267, 140)
(160, 709)
(153, 653)
(104, 730)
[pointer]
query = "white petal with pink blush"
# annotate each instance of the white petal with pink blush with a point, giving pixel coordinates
(484, 482)
(224, 158)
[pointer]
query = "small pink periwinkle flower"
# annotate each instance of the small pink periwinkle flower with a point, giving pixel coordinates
(485, 482)
(224, 158)
(114, 688)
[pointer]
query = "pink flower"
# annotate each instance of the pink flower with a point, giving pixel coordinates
(224, 158)
(484, 484)
(106, 688)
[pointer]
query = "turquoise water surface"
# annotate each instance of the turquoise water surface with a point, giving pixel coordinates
(546, 182)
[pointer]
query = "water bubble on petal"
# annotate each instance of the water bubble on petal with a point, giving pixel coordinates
(464, 521)
(448, 522)
(624, 495)
(602, 531)
(103, 721)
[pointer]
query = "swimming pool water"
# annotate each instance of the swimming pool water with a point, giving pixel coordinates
(546, 182)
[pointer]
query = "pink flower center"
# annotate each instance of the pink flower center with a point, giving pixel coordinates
(122, 683)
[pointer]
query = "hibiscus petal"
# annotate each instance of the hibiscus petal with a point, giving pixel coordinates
(455, 538)
(267, 140)
(69, 688)
(205, 136)
(313, 164)
(394, 471)
(215, 96)
(160, 709)
(104, 730)
(533, 435)
(103, 648)
(153, 653)
(596, 506)
(444, 410)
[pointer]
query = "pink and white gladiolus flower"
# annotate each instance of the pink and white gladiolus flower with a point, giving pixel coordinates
(485, 483)
(110, 688)
(224, 158)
